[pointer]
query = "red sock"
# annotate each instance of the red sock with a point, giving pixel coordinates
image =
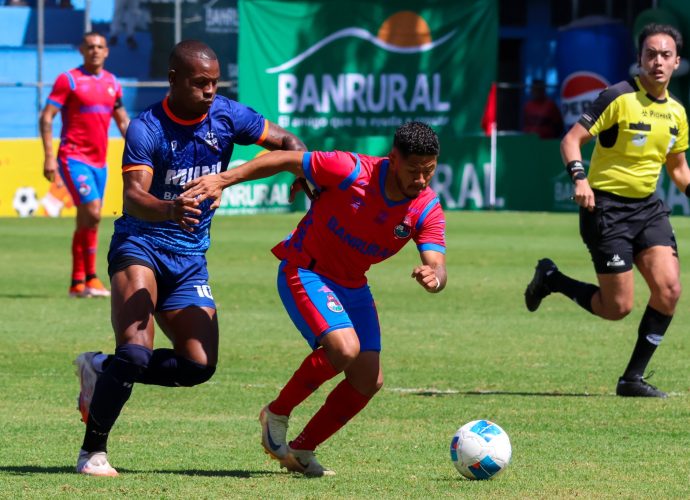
(343, 403)
(314, 371)
(90, 241)
(77, 256)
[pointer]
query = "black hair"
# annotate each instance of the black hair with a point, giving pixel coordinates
(659, 29)
(92, 33)
(416, 138)
(189, 49)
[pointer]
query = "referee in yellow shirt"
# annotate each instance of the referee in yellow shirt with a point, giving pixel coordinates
(639, 126)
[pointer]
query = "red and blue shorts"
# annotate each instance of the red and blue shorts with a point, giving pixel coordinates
(318, 306)
(84, 182)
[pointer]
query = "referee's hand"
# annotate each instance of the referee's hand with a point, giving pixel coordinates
(584, 196)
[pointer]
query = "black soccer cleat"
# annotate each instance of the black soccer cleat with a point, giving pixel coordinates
(638, 388)
(537, 289)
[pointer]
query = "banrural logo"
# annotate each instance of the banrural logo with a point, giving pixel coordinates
(370, 95)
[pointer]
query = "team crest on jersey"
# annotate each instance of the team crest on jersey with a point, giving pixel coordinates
(333, 304)
(211, 139)
(403, 229)
(111, 91)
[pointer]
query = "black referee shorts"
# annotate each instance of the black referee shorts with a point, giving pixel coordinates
(619, 228)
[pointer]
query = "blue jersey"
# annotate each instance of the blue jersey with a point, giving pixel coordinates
(176, 151)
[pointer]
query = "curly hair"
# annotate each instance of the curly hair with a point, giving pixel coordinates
(416, 138)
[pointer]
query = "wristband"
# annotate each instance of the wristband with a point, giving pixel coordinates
(687, 190)
(576, 170)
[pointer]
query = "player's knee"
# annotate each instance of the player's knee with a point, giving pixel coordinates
(343, 357)
(670, 295)
(617, 311)
(131, 360)
(192, 373)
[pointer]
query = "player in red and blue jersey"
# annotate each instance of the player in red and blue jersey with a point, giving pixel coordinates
(157, 262)
(367, 209)
(86, 97)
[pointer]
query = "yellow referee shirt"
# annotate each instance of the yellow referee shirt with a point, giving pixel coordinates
(635, 133)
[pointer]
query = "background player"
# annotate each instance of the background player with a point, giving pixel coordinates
(86, 97)
(157, 260)
(368, 209)
(622, 221)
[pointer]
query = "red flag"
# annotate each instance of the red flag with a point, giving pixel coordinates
(489, 117)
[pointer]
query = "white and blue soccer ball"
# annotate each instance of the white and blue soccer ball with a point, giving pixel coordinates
(480, 449)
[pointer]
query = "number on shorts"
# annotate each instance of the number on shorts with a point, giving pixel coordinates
(204, 291)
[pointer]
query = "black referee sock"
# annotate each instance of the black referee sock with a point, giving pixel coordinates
(650, 333)
(579, 292)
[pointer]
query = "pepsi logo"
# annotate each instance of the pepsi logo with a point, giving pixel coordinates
(578, 92)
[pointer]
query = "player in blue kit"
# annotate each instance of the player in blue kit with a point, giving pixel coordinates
(157, 262)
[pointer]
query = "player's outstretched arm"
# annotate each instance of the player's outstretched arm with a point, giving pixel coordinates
(279, 138)
(431, 275)
(211, 186)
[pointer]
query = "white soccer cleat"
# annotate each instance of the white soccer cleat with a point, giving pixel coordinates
(274, 433)
(94, 464)
(87, 382)
(304, 462)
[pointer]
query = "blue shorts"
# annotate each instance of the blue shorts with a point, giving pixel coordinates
(182, 279)
(317, 306)
(84, 182)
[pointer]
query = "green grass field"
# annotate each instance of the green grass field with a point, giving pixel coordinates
(547, 378)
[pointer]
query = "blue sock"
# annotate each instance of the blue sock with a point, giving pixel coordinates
(113, 388)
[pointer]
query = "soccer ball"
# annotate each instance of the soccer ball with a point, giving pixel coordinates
(480, 450)
(25, 201)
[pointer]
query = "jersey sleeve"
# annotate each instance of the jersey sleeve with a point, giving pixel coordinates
(63, 86)
(250, 127)
(681, 143)
(430, 230)
(140, 145)
(603, 114)
(331, 168)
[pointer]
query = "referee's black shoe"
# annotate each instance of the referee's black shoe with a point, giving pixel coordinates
(537, 289)
(638, 388)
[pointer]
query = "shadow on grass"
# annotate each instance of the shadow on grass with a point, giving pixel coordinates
(32, 469)
(429, 393)
(16, 295)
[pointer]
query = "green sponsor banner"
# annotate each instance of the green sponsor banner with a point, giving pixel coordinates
(525, 170)
(362, 68)
(260, 196)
